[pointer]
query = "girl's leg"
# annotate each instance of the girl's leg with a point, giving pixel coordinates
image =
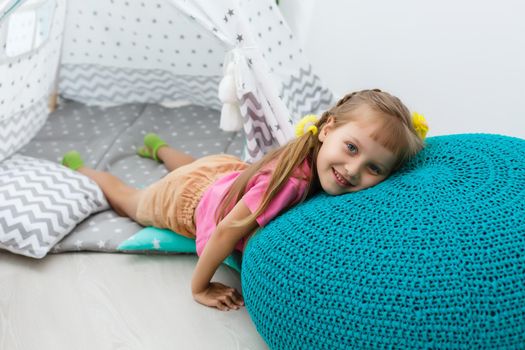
(157, 149)
(172, 158)
(122, 198)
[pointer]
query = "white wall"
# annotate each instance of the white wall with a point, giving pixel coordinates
(460, 63)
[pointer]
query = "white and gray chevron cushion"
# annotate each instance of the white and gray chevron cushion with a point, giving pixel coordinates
(41, 202)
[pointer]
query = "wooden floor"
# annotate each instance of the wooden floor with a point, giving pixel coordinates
(97, 301)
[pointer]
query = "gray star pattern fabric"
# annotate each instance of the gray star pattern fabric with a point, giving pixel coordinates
(165, 52)
(108, 138)
(171, 51)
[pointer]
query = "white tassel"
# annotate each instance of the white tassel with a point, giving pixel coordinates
(231, 118)
(227, 90)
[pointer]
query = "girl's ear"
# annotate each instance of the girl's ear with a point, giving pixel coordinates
(326, 128)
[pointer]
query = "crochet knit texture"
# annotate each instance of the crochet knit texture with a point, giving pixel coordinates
(433, 257)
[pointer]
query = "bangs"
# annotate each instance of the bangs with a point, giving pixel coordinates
(392, 135)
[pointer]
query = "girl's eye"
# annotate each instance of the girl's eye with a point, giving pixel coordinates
(351, 148)
(375, 169)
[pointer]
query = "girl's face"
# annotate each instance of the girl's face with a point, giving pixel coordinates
(349, 160)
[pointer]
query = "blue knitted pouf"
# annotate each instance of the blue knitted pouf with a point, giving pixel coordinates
(432, 258)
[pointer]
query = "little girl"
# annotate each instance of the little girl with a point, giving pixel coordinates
(220, 200)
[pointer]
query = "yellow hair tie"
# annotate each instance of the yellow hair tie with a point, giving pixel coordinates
(420, 125)
(307, 120)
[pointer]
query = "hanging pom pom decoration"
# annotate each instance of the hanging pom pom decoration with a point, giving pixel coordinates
(231, 118)
(420, 124)
(307, 124)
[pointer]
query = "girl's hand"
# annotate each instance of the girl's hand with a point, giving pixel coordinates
(220, 296)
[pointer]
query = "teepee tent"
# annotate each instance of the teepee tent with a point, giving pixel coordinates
(238, 56)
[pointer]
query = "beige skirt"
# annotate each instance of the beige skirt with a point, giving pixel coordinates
(171, 202)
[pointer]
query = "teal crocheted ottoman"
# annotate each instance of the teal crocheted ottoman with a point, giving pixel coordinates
(432, 258)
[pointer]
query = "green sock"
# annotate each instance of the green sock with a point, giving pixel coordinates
(72, 160)
(152, 143)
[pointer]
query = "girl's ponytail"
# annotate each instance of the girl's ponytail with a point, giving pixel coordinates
(287, 159)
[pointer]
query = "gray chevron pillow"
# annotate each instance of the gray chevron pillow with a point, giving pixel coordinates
(41, 202)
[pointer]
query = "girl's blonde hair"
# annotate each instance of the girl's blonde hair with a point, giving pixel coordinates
(396, 133)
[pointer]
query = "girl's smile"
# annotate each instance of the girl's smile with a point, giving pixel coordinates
(349, 160)
(340, 178)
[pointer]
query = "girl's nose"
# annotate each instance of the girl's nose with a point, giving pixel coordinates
(352, 171)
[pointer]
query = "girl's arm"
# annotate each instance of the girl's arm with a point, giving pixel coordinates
(220, 245)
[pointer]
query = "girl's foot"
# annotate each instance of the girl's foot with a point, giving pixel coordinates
(152, 143)
(72, 160)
